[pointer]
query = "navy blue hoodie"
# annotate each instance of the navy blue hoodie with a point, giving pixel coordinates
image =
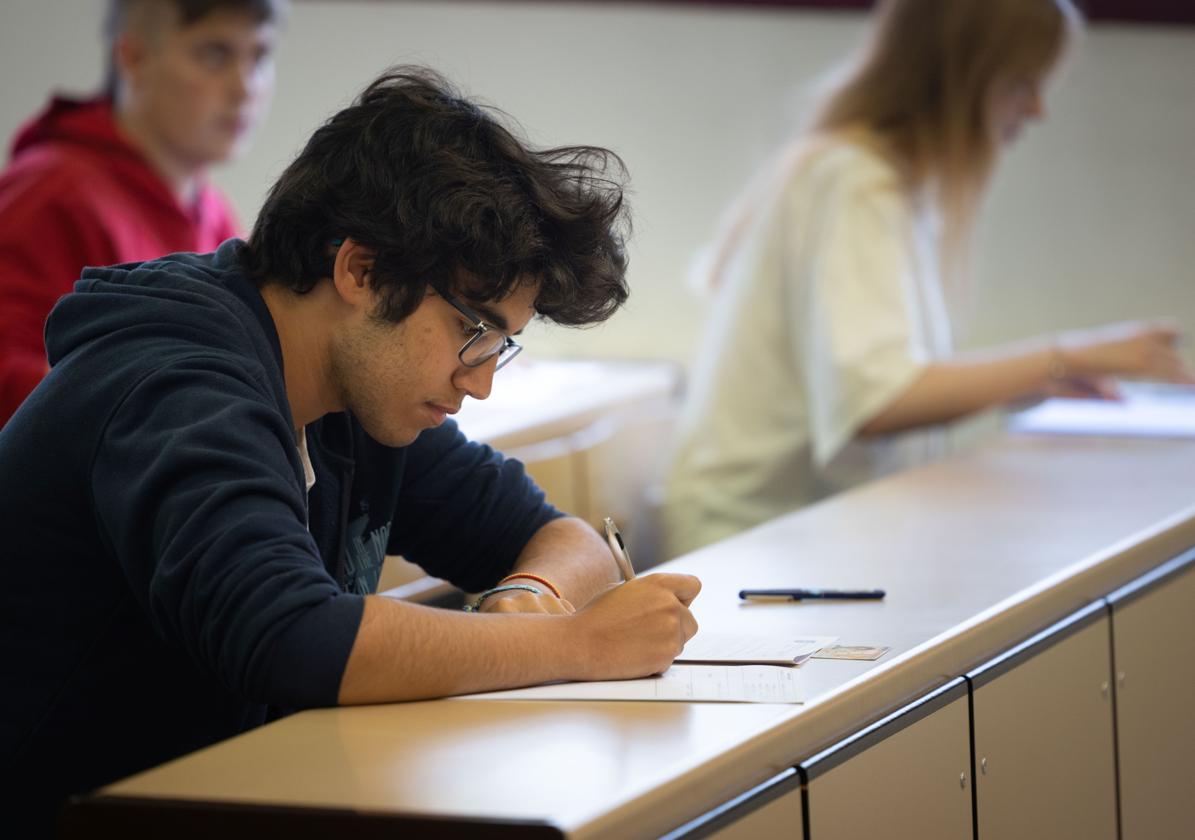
(167, 581)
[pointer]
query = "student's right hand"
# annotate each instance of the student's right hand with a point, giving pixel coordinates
(1132, 349)
(635, 629)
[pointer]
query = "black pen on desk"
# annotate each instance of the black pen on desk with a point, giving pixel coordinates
(811, 594)
(619, 549)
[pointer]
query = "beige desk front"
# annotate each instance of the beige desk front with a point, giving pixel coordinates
(976, 554)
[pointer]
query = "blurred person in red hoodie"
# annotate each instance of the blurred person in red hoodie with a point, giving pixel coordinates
(121, 177)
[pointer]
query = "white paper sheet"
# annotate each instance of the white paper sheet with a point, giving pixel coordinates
(1147, 410)
(728, 649)
(683, 683)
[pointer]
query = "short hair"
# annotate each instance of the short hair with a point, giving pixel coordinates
(446, 196)
(123, 14)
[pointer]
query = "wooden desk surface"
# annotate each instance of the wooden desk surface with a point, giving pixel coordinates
(976, 554)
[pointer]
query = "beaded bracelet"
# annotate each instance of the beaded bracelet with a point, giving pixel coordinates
(552, 587)
(476, 605)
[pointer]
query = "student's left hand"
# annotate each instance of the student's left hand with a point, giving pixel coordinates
(521, 601)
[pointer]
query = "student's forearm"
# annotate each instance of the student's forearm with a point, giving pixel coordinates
(406, 651)
(570, 554)
(1076, 360)
(965, 385)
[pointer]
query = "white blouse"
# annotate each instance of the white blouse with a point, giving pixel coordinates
(830, 307)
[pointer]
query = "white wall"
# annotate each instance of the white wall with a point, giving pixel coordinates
(1092, 217)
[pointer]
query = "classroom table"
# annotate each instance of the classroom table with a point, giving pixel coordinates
(1005, 568)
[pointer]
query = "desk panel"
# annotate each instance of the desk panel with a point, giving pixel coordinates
(909, 776)
(1154, 631)
(1044, 744)
(771, 809)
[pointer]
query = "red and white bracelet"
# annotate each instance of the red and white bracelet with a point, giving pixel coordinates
(551, 586)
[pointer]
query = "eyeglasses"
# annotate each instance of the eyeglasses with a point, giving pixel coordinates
(486, 341)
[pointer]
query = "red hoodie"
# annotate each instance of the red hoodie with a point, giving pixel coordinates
(75, 194)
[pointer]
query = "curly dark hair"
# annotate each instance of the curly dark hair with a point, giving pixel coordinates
(447, 196)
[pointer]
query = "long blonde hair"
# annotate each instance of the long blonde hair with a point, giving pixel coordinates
(919, 91)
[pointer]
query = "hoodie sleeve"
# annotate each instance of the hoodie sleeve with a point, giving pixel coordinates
(465, 513)
(46, 238)
(198, 491)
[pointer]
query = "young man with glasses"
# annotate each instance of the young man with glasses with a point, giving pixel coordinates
(198, 497)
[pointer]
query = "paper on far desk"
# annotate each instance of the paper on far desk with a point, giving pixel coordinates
(1147, 410)
(727, 649)
(683, 683)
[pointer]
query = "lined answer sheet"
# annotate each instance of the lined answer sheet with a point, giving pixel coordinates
(683, 683)
(729, 649)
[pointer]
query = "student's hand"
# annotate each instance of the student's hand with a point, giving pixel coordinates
(1138, 350)
(522, 601)
(635, 629)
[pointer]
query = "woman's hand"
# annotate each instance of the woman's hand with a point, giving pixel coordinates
(1133, 349)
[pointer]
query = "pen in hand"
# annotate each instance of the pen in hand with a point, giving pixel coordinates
(804, 594)
(619, 549)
